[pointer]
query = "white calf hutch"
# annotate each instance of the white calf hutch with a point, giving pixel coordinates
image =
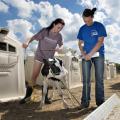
(109, 110)
(72, 64)
(12, 78)
(107, 71)
(112, 70)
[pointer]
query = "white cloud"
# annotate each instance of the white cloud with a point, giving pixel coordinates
(112, 54)
(3, 7)
(112, 42)
(107, 13)
(100, 16)
(48, 12)
(86, 3)
(72, 22)
(21, 27)
(111, 8)
(113, 30)
(45, 8)
(25, 9)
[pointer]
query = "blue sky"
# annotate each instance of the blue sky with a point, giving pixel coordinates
(26, 17)
(69, 4)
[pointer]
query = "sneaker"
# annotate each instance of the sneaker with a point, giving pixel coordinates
(82, 107)
(99, 103)
(29, 91)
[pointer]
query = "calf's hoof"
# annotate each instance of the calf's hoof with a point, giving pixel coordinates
(48, 101)
(65, 106)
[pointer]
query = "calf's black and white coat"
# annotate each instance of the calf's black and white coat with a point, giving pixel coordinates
(53, 71)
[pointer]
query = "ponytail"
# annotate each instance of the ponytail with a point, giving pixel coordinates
(89, 12)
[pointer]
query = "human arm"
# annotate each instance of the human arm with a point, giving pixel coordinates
(81, 44)
(26, 43)
(37, 36)
(95, 49)
(101, 32)
(59, 47)
(101, 35)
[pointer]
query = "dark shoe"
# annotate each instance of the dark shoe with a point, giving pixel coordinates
(99, 103)
(82, 106)
(48, 101)
(29, 91)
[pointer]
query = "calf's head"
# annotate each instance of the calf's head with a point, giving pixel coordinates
(54, 65)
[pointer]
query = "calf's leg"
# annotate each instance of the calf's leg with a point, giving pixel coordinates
(61, 94)
(47, 99)
(45, 86)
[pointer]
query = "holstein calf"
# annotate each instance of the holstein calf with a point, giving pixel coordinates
(53, 71)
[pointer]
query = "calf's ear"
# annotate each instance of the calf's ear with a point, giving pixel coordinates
(60, 61)
(45, 61)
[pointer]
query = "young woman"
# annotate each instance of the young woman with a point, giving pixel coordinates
(91, 44)
(48, 41)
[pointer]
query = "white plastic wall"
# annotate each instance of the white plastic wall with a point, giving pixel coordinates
(107, 71)
(112, 70)
(104, 110)
(12, 77)
(72, 64)
(29, 68)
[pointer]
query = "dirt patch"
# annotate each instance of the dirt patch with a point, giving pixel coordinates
(55, 111)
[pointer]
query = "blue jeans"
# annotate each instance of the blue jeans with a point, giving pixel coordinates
(99, 80)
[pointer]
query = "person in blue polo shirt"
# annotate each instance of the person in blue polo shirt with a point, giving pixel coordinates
(91, 44)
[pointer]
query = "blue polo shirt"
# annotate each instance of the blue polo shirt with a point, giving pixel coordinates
(90, 36)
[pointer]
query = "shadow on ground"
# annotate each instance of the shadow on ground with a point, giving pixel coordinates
(14, 111)
(115, 86)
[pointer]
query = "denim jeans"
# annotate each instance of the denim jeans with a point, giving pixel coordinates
(99, 80)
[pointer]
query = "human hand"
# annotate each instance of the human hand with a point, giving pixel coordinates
(87, 57)
(25, 45)
(83, 54)
(58, 49)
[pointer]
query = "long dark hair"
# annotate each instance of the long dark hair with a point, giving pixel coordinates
(55, 22)
(89, 12)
